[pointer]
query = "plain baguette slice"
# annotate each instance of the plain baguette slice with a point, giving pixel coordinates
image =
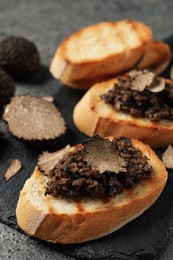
(156, 58)
(92, 115)
(67, 221)
(100, 50)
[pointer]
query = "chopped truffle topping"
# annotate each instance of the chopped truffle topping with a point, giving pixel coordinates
(76, 177)
(151, 98)
(31, 118)
(18, 56)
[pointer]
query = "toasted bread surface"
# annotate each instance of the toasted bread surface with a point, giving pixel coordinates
(156, 57)
(92, 116)
(62, 220)
(100, 50)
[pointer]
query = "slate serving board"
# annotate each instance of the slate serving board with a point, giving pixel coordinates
(140, 239)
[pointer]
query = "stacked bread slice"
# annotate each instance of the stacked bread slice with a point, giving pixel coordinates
(105, 50)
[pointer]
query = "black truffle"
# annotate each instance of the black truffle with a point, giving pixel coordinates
(19, 57)
(13, 168)
(34, 120)
(48, 161)
(101, 155)
(7, 89)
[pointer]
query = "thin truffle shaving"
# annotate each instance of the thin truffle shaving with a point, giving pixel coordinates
(13, 168)
(102, 156)
(141, 79)
(167, 157)
(32, 118)
(47, 161)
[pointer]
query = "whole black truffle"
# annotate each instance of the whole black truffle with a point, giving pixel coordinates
(7, 88)
(19, 57)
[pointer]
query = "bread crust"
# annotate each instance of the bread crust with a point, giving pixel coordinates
(156, 57)
(86, 64)
(62, 221)
(92, 116)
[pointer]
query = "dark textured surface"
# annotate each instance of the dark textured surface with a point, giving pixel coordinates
(47, 23)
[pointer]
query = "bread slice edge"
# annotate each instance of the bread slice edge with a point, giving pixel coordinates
(156, 58)
(86, 220)
(92, 115)
(115, 62)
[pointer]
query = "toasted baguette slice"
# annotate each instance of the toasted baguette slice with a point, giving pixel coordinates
(92, 116)
(156, 57)
(60, 220)
(100, 50)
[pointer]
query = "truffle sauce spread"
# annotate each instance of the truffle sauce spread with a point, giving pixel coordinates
(98, 168)
(142, 94)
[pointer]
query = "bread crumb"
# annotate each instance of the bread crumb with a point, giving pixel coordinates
(13, 168)
(167, 157)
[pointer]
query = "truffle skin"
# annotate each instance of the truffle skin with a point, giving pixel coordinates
(19, 57)
(34, 120)
(7, 88)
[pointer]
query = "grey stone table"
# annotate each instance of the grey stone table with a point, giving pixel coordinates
(47, 23)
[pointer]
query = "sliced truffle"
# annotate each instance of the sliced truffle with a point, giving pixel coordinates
(167, 157)
(13, 168)
(19, 57)
(47, 161)
(153, 101)
(7, 88)
(135, 73)
(141, 79)
(101, 155)
(171, 73)
(34, 120)
(157, 85)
